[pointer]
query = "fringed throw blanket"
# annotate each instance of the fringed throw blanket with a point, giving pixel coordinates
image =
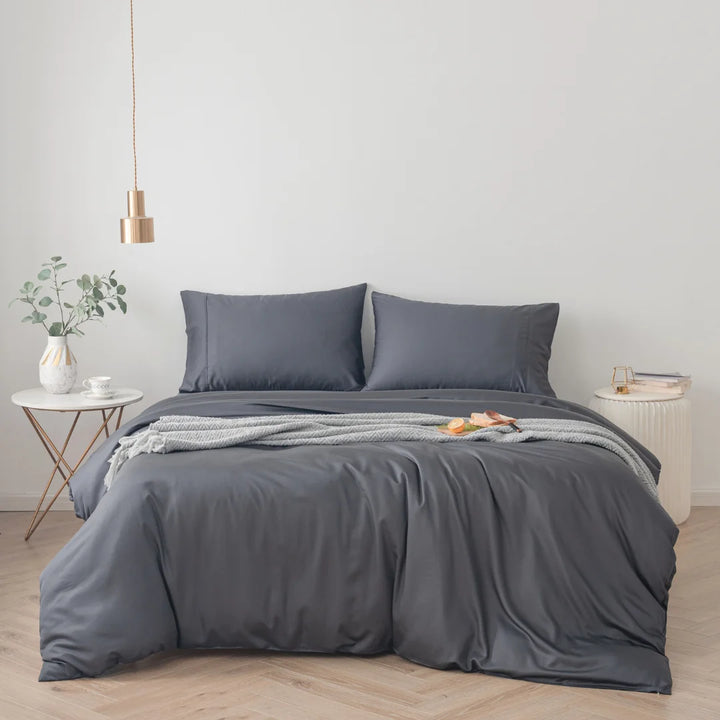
(178, 433)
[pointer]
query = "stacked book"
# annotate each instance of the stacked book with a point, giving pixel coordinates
(672, 383)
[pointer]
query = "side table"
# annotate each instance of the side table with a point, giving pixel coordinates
(662, 424)
(76, 402)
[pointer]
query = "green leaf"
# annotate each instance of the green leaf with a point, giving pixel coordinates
(112, 272)
(60, 266)
(110, 305)
(44, 302)
(56, 258)
(36, 290)
(27, 300)
(56, 329)
(86, 282)
(100, 311)
(113, 281)
(44, 274)
(27, 287)
(97, 293)
(121, 289)
(68, 305)
(79, 283)
(38, 317)
(122, 304)
(27, 318)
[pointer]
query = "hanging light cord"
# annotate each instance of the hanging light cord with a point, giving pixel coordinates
(132, 65)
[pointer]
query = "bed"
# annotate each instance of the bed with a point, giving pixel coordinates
(541, 561)
(547, 561)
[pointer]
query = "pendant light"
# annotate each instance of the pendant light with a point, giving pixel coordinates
(136, 228)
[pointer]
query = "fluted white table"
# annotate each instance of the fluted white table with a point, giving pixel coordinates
(78, 402)
(662, 424)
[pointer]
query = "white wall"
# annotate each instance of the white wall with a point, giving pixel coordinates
(452, 150)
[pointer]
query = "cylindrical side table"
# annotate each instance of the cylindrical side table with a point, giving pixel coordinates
(662, 424)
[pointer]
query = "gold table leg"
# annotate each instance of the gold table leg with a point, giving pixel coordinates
(58, 458)
(119, 420)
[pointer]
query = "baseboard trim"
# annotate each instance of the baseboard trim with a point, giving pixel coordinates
(22, 502)
(704, 497)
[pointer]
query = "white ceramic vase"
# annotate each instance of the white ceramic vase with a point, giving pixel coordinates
(58, 367)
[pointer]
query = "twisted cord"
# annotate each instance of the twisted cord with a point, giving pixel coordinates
(132, 66)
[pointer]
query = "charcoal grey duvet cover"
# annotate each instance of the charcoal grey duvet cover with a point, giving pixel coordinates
(541, 560)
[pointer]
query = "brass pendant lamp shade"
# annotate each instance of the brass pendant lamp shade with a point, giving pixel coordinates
(136, 228)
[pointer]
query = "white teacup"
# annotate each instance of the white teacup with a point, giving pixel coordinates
(98, 386)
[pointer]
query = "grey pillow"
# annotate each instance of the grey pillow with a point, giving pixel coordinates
(308, 341)
(436, 345)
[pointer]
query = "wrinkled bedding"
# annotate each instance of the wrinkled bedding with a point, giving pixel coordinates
(541, 560)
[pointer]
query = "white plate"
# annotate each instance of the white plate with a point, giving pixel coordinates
(92, 396)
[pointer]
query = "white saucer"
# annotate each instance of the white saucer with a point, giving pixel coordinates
(92, 396)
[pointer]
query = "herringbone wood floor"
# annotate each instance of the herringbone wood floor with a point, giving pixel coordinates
(235, 684)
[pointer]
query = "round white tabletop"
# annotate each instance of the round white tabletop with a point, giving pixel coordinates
(76, 400)
(608, 393)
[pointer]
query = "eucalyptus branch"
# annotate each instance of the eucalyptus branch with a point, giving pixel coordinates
(71, 315)
(57, 293)
(98, 294)
(32, 304)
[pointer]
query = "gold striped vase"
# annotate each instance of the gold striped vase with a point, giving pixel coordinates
(58, 367)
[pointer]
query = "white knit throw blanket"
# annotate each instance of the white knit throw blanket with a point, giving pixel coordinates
(176, 433)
